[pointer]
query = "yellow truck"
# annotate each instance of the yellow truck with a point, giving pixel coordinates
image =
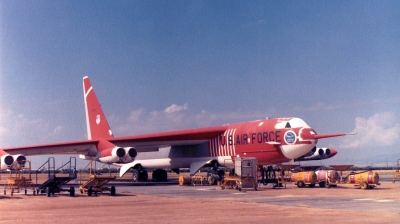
(304, 178)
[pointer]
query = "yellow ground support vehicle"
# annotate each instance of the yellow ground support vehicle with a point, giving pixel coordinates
(245, 175)
(96, 183)
(20, 178)
(365, 180)
(304, 178)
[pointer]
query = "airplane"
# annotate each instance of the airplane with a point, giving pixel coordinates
(271, 141)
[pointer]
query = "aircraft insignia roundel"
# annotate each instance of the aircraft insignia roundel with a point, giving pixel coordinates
(290, 137)
(98, 119)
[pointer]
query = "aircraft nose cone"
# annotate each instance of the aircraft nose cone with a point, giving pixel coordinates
(307, 134)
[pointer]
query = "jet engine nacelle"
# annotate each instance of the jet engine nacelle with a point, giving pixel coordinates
(6, 161)
(118, 155)
(131, 152)
(316, 154)
(12, 161)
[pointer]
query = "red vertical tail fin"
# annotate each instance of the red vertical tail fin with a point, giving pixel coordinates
(96, 122)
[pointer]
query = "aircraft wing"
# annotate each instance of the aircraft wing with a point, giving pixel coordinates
(89, 147)
(86, 147)
(184, 137)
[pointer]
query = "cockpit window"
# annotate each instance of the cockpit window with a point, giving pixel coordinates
(290, 123)
(298, 123)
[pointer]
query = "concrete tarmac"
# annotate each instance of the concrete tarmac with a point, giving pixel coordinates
(170, 203)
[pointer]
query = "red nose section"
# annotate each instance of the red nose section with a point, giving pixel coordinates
(333, 153)
(307, 134)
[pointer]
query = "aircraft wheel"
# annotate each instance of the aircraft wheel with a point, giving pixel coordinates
(154, 175)
(300, 184)
(112, 190)
(322, 184)
(48, 192)
(72, 191)
(363, 185)
(143, 175)
(212, 180)
(135, 175)
(160, 175)
(90, 191)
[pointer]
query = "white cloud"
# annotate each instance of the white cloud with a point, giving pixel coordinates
(381, 129)
(19, 129)
(136, 114)
(175, 117)
(58, 130)
(175, 108)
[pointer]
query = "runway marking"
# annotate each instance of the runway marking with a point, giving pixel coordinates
(239, 193)
(371, 199)
(384, 200)
(288, 196)
(206, 189)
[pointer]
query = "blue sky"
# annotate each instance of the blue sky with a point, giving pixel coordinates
(168, 65)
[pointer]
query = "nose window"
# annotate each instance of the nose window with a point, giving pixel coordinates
(288, 125)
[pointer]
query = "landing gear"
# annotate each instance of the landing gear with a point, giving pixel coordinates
(214, 175)
(160, 175)
(139, 175)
